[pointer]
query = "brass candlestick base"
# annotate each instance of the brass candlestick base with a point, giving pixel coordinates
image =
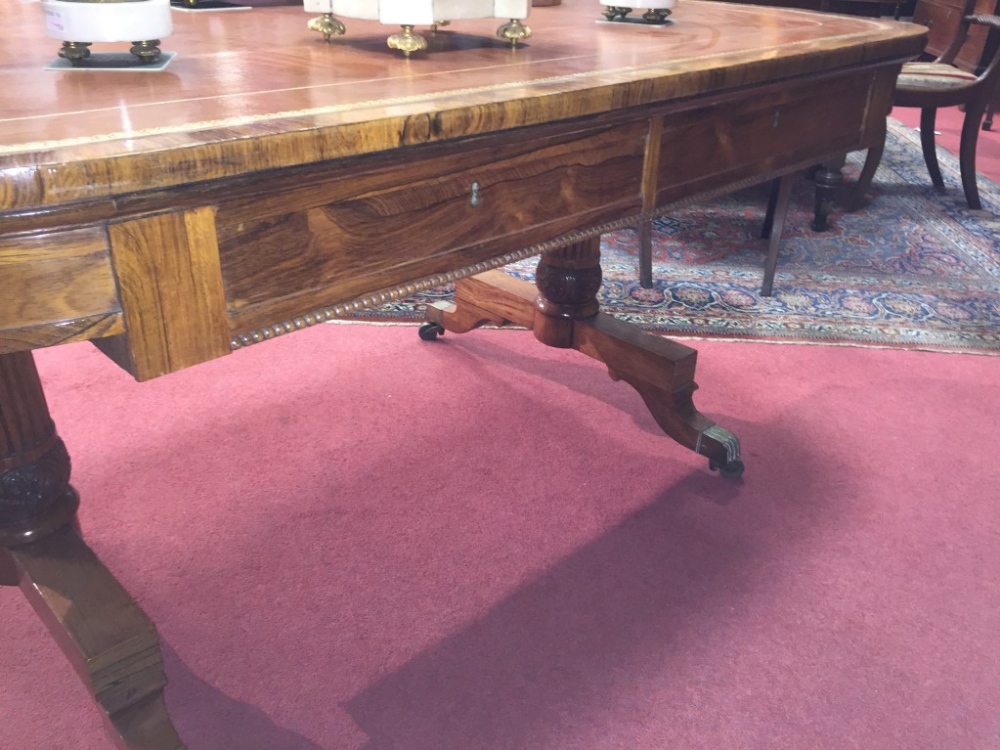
(327, 25)
(406, 41)
(513, 32)
(75, 52)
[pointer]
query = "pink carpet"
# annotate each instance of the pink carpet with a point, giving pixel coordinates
(351, 539)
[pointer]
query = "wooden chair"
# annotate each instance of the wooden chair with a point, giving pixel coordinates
(774, 222)
(929, 85)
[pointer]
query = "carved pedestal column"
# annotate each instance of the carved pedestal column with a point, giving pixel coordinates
(568, 280)
(35, 494)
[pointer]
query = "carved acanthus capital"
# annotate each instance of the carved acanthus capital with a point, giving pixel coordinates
(29, 490)
(36, 498)
(568, 292)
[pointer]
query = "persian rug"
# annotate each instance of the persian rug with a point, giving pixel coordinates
(914, 269)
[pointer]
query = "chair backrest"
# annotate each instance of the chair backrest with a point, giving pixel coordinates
(943, 18)
(990, 73)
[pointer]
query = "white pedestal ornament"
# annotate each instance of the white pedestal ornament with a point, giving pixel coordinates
(411, 13)
(80, 23)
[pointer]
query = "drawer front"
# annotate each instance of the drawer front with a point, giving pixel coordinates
(708, 148)
(359, 230)
(65, 289)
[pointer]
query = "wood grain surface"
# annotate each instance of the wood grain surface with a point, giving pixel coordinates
(267, 180)
(244, 78)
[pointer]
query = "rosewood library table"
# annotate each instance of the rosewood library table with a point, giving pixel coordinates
(266, 181)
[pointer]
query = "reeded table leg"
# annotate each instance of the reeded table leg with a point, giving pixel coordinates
(112, 645)
(563, 312)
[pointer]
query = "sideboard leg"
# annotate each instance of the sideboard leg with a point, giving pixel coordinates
(112, 645)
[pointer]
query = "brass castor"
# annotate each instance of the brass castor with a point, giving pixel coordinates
(429, 331)
(729, 470)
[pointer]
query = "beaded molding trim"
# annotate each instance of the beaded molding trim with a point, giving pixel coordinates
(382, 297)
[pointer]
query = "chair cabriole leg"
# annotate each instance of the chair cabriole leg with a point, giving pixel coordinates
(928, 117)
(967, 153)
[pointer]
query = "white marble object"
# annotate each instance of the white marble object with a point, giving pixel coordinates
(410, 13)
(80, 24)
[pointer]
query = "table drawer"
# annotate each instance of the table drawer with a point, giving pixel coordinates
(710, 147)
(56, 287)
(333, 239)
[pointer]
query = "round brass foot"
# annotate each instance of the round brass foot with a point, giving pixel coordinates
(513, 32)
(75, 52)
(327, 25)
(611, 12)
(406, 41)
(147, 51)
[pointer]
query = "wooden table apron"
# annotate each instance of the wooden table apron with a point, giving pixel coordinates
(174, 217)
